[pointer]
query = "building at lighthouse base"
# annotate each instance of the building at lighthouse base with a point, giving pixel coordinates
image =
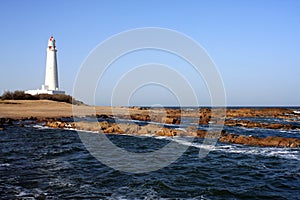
(44, 91)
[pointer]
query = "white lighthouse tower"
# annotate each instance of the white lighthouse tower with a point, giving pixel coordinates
(51, 75)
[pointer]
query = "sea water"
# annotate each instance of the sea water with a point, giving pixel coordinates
(42, 163)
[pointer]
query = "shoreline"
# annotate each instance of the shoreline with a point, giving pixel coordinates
(104, 127)
(19, 109)
(56, 114)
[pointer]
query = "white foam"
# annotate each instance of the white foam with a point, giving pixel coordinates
(4, 165)
(263, 151)
(40, 126)
(162, 137)
(22, 193)
(181, 129)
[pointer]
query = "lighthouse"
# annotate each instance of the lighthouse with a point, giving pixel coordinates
(51, 75)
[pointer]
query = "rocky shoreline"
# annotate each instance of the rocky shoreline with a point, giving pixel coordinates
(235, 117)
(152, 129)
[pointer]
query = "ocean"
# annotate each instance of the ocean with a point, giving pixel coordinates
(44, 163)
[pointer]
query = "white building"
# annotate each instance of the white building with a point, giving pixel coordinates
(51, 76)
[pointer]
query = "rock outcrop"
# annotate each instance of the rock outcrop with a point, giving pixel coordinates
(140, 117)
(134, 129)
(270, 141)
(59, 124)
(205, 116)
(169, 119)
(259, 112)
(202, 116)
(251, 124)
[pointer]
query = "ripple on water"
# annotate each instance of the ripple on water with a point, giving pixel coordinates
(54, 164)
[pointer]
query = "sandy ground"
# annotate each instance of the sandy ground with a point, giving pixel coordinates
(20, 109)
(47, 109)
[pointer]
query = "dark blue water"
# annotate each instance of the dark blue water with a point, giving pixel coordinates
(38, 163)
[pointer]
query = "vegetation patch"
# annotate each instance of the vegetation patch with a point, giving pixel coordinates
(21, 95)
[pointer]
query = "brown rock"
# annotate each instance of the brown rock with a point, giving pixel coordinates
(61, 125)
(166, 132)
(249, 124)
(140, 117)
(109, 130)
(274, 126)
(103, 116)
(241, 139)
(201, 133)
(171, 120)
(270, 141)
(190, 131)
(229, 138)
(114, 128)
(149, 129)
(103, 125)
(129, 128)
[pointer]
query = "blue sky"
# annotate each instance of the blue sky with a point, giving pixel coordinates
(254, 44)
